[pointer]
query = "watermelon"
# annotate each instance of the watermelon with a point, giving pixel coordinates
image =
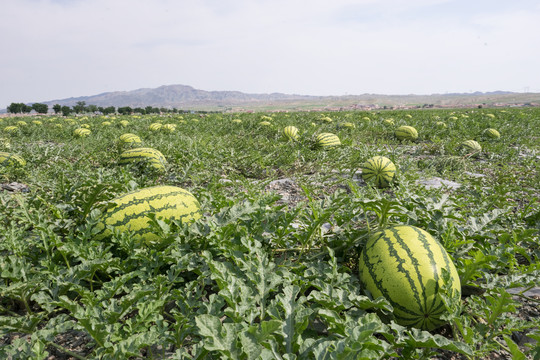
(106, 123)
(8, 159)
(81, 132)
(327, 140)
(169, 127)
(471, 146)
(37, 122)
(21, 123)
(406, 133)
(129, 139)
(441, 124)
(147, 156)
(290, 132)
(379, 170)
(265, 123)
(236, 121)
(124, 123)
(348, 125)
(404, 265)
(129, 212)
(492, 134)
(10, 129)
(155, 127)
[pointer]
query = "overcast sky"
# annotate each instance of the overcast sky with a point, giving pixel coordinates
(54, 49)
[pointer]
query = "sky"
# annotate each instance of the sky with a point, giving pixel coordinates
(55, 49)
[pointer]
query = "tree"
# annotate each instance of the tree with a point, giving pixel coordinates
(91, 108)
(108, 110)
(66, 110)
(57, 108)
(125, 110)
(139, 111)
(15, 108)
(40, 108)
(80, 107)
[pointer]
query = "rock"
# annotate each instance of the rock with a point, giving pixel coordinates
(436, 182)
(534, 292)
(14, 186)
(474, 175)
(290, 192)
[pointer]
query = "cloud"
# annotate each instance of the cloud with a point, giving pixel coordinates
(70, 48)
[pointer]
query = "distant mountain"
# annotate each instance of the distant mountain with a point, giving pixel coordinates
(177, 96)
(188, 98)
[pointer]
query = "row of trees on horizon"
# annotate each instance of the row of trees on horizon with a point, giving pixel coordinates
(82, 108)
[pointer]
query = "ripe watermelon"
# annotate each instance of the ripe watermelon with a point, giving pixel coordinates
(129, 139)
(10, 129)
(406, 133)
(290, 132)
(327, 140)
(379, 170)
(404, 264)
(154, 126)
(147, 156)
(471, 146)
(492, 134)
(81, 132)
(169, 127)
(8, 159)
(129, 212)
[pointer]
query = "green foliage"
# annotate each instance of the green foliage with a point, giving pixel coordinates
(270, 271)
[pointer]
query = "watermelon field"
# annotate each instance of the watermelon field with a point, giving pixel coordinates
(280, 247)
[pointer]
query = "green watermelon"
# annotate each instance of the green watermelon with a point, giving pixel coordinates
(10, 159)
(290, 132)
(148, 156)
(471, 146)
(492, 134)
(379, 170)
(404, 265)
(327, 140)
(129, 212)
(406, 133)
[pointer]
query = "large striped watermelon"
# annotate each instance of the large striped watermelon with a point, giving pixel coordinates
(10, 159)
(404, 264)
(327, 140)
(379, 170)
(290, 132)
(406, 133)
(147, 156)
(129, 212)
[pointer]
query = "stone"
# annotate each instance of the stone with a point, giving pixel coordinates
(436, 182)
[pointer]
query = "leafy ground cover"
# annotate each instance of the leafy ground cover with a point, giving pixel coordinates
(271, 269)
